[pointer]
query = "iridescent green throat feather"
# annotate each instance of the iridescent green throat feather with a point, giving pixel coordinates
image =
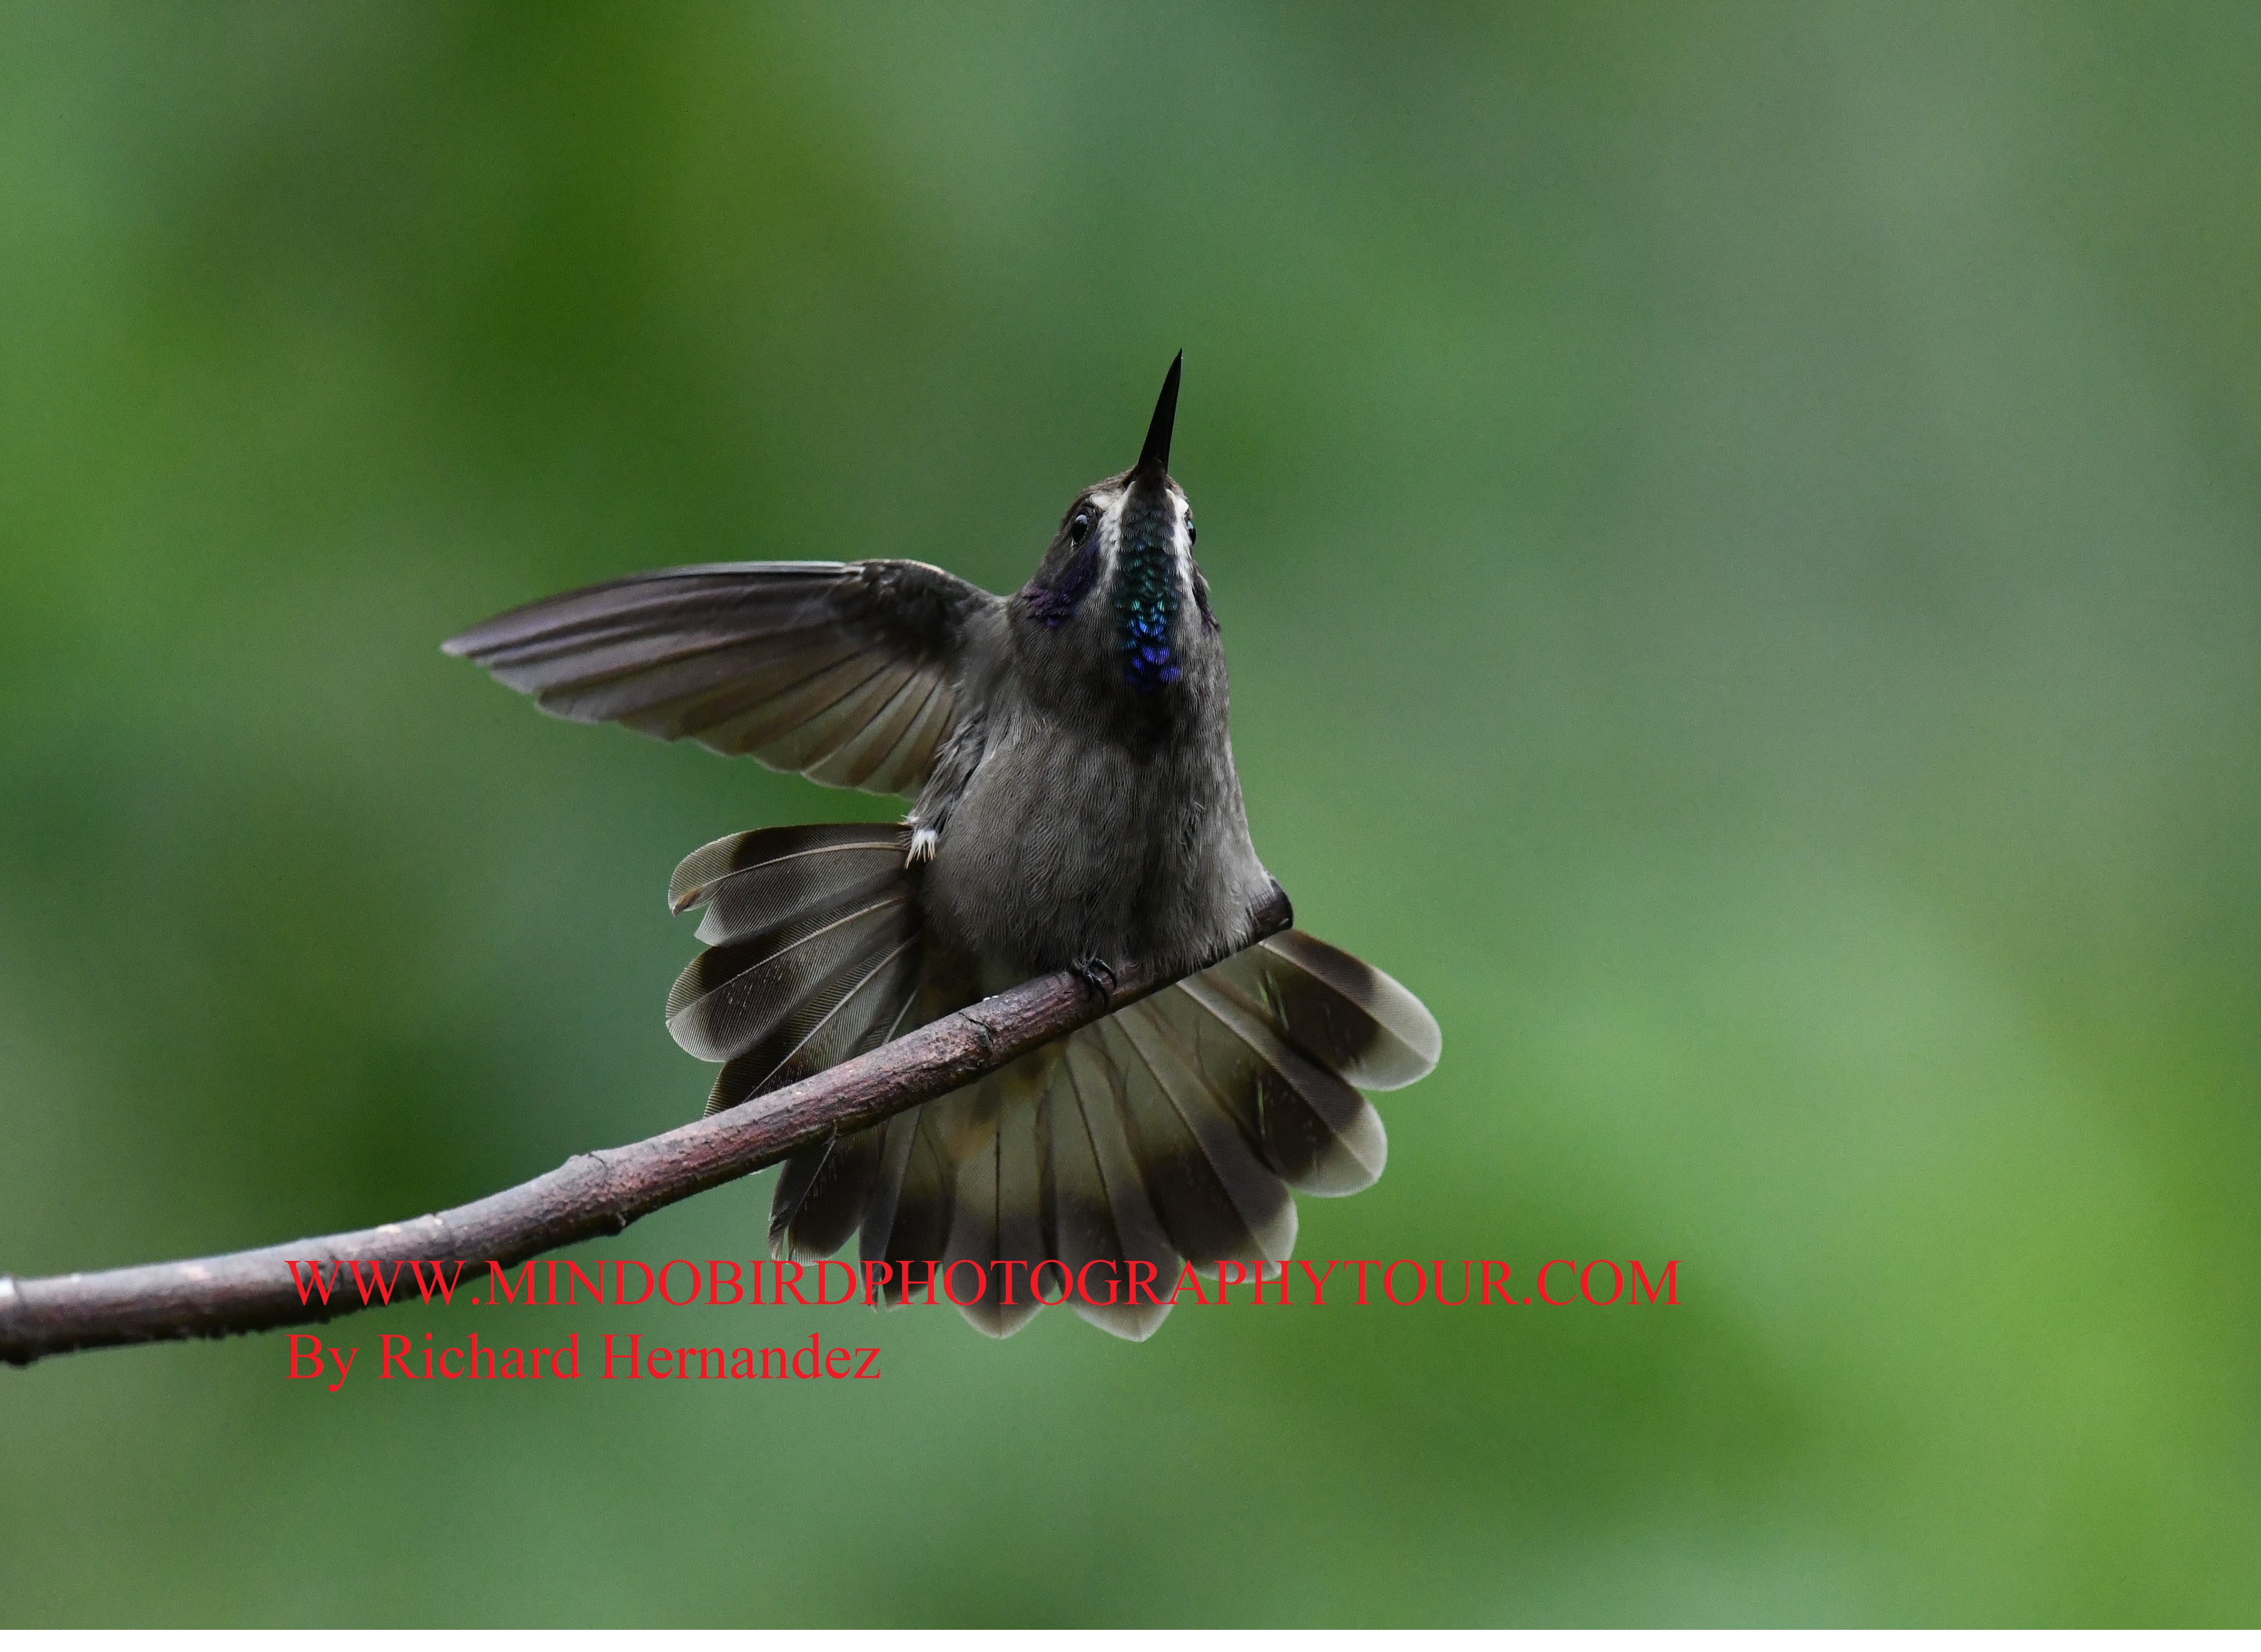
(1146, 598)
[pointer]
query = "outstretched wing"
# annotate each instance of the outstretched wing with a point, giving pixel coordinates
(843, 671)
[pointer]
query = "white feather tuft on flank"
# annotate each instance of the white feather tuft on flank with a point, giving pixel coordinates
(924, 841)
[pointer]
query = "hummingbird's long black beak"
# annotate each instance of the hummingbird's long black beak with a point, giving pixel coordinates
(1154, 457)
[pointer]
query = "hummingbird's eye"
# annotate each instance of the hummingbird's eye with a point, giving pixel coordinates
(1079, 530)
(1192, 535)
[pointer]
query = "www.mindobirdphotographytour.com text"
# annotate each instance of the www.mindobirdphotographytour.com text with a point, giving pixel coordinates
(345, 1284)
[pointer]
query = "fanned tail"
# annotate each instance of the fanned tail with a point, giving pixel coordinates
(1171, 1132)
(813, 955)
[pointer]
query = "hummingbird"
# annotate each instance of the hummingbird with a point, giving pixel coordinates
(1075, 802)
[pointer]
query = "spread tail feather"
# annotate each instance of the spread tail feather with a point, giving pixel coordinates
(1170, 1132)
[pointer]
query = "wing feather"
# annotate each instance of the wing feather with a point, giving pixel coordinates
(845, 671)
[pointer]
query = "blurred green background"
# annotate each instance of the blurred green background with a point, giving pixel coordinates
(1735, 527)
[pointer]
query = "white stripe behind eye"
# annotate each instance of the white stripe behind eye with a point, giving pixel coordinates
(1110, 533)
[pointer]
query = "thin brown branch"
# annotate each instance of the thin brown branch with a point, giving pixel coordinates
(590, 1195)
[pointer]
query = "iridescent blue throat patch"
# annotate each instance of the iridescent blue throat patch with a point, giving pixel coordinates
(1146, 604)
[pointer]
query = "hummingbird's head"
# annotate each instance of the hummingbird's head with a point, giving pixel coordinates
(1119, 578)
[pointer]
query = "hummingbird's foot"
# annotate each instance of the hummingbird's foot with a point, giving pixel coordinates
(1097, 976)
